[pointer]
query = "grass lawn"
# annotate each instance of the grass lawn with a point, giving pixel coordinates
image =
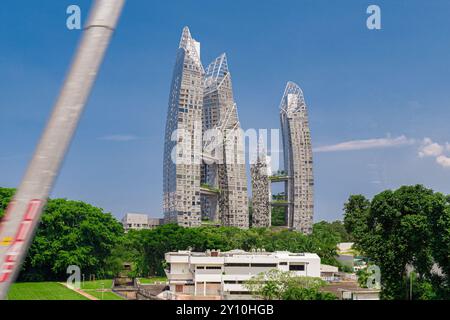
(107, 295)
(152, 280)
(97, 284)
(42, 291)
(94, 289)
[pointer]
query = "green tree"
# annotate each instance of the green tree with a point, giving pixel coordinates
(71, 233)
(278, 213)
(6, 195)
(363, 276)
(439, 221)
(399, 228)
(123, 251)
(150, 246)
(279, 285)
(278, 216)
(325, 241)
(338, 227)
(356, 216)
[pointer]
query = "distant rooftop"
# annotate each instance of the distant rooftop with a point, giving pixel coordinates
(238, 252)
(136, 214)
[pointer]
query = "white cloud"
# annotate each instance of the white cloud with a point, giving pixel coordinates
(429, 148)
(366, 144)
(119, 137)
(443, 161)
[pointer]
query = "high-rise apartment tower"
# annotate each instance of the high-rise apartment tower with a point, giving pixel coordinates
(298, 159)
(200, 182)
(227, 172)
(182, 149)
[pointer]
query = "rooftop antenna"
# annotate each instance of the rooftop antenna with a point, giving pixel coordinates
(23, 214)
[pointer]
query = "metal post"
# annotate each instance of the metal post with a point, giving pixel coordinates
(24, 212)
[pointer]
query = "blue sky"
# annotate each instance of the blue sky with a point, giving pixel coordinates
(389, 88)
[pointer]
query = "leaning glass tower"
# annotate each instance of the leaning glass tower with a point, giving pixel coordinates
(182, 148)
(227, 171)
(298, 159)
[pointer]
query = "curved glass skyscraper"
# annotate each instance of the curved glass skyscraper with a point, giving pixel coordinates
(182, 149)
(228, 172)
(199, 182)
(298, 159)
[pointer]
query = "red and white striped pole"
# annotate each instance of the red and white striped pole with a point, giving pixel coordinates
(23, 213)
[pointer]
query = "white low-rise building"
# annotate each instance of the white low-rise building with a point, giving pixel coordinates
(223, 274)
(138, 221)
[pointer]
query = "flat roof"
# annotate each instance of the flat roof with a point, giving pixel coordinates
(232, 253)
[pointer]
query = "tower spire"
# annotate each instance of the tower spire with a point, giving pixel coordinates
(261, 150)
(185, 37)
(190, 45)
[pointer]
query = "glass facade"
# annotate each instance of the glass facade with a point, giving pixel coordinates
(298, 159)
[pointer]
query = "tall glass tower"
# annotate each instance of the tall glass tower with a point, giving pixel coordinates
(261, 189)
(228, 171)
(200, 181)
(298, 159)
(182, 149)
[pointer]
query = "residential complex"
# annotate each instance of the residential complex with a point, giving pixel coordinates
(297, 176)
(298, 159)
(261, 189)
(223, 274)
(182, 149)
(204, 160)
(138, 221)
(200, 182)
(225, 169)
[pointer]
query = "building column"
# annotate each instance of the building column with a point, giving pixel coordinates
(204, 288)
(195, 288)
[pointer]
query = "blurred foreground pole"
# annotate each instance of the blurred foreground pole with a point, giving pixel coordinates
(24, 212)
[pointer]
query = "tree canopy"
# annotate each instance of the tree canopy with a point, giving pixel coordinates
(76, 233)
(280, 285)
(151, 245)
(72, 233)
(408, 227)
(5, 197)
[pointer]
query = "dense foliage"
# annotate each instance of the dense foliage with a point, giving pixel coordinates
(76, 233)
(405, 229)
(401, 229)
(70, 233)
(5, 196)
(278, 216)
(278, 212)
(151, 245)
(279, 285)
